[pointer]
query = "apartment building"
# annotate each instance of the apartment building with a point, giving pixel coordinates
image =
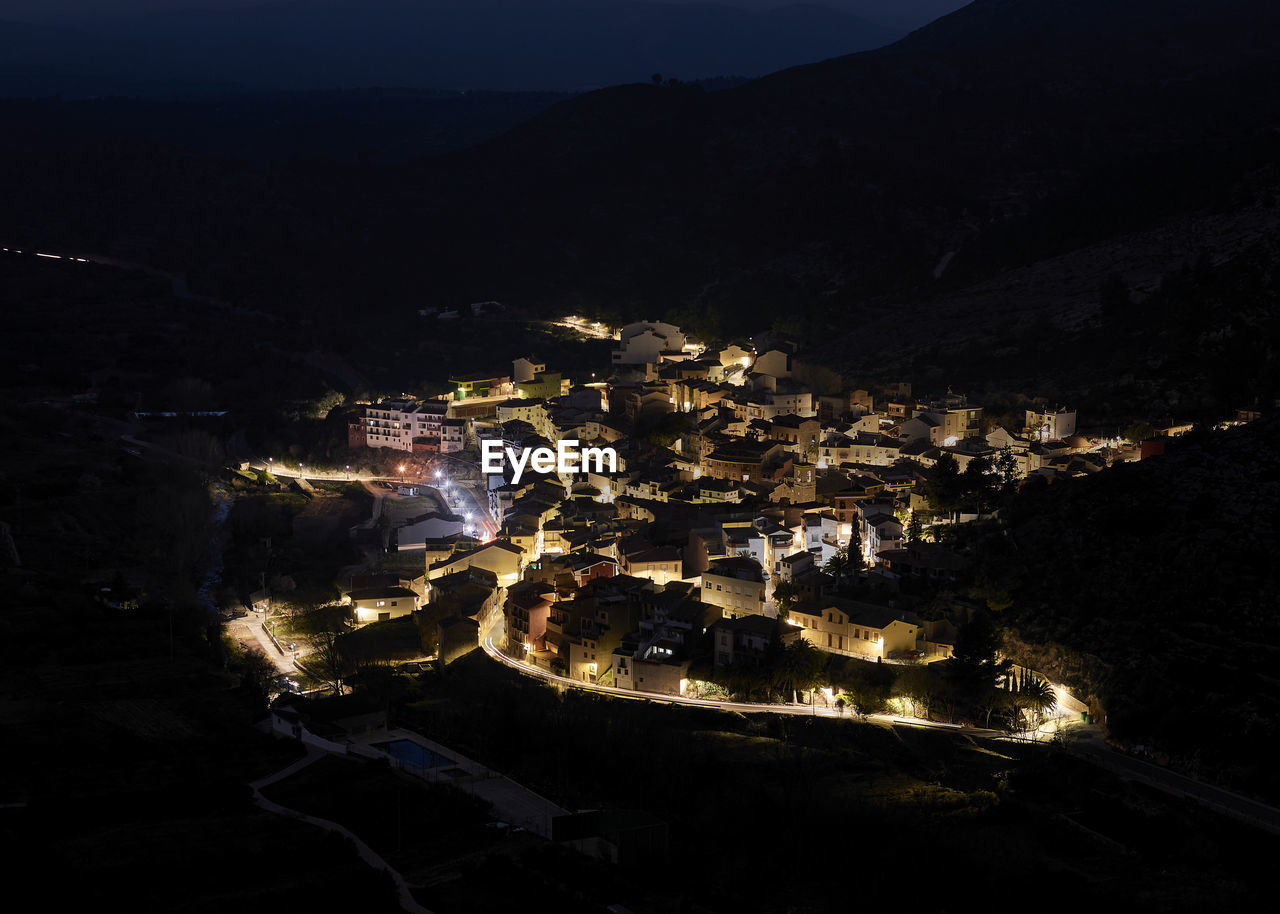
(400, 424)
(735, 585)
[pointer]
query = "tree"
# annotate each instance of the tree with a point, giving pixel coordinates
(915, 528)
(258, 675)
(1138, 432)
(844, 564)
(918, 685)
(798, 668)
(977, 481)
(327, 662)
(867, 686)
(785, 594)
(1006, 467)
(994, 590)
(943, 487)
(1037, 697)
(972, 672)
(977, 642)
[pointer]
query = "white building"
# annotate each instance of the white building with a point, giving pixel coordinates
(453, 434)
(645, 342)
(1051, 423)
(396, 423)
(526, 369)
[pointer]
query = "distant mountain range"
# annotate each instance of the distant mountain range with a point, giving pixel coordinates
(829, 200)
(561, 45)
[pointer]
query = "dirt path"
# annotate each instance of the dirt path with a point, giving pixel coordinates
(367, 854)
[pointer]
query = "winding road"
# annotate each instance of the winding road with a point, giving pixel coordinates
(743, 707)
(1083, 741)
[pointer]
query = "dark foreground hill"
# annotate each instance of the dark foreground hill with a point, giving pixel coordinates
(1152, 588)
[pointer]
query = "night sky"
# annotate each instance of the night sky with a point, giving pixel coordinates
(906, 13)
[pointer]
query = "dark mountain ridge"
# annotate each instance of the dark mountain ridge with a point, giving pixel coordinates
(562, 45)
(1009, 131)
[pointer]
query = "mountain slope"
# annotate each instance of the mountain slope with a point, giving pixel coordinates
(802, 196)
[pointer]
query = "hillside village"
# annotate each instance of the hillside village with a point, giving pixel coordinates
(758, 502)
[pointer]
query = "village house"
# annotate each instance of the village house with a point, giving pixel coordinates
(501, 558)
(925, 560)
(480, 386)
(645, 342)
(735, 585)
(855, 629)
(378, 604)
(748, 639)
(1050, 423)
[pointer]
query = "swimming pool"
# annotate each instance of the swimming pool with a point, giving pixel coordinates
(411, 753)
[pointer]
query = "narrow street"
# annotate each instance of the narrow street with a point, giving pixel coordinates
(247, 631)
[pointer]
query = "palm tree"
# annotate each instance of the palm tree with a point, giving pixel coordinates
(1037, 697)
(799, 668)
(785, 594)
(844, 563)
